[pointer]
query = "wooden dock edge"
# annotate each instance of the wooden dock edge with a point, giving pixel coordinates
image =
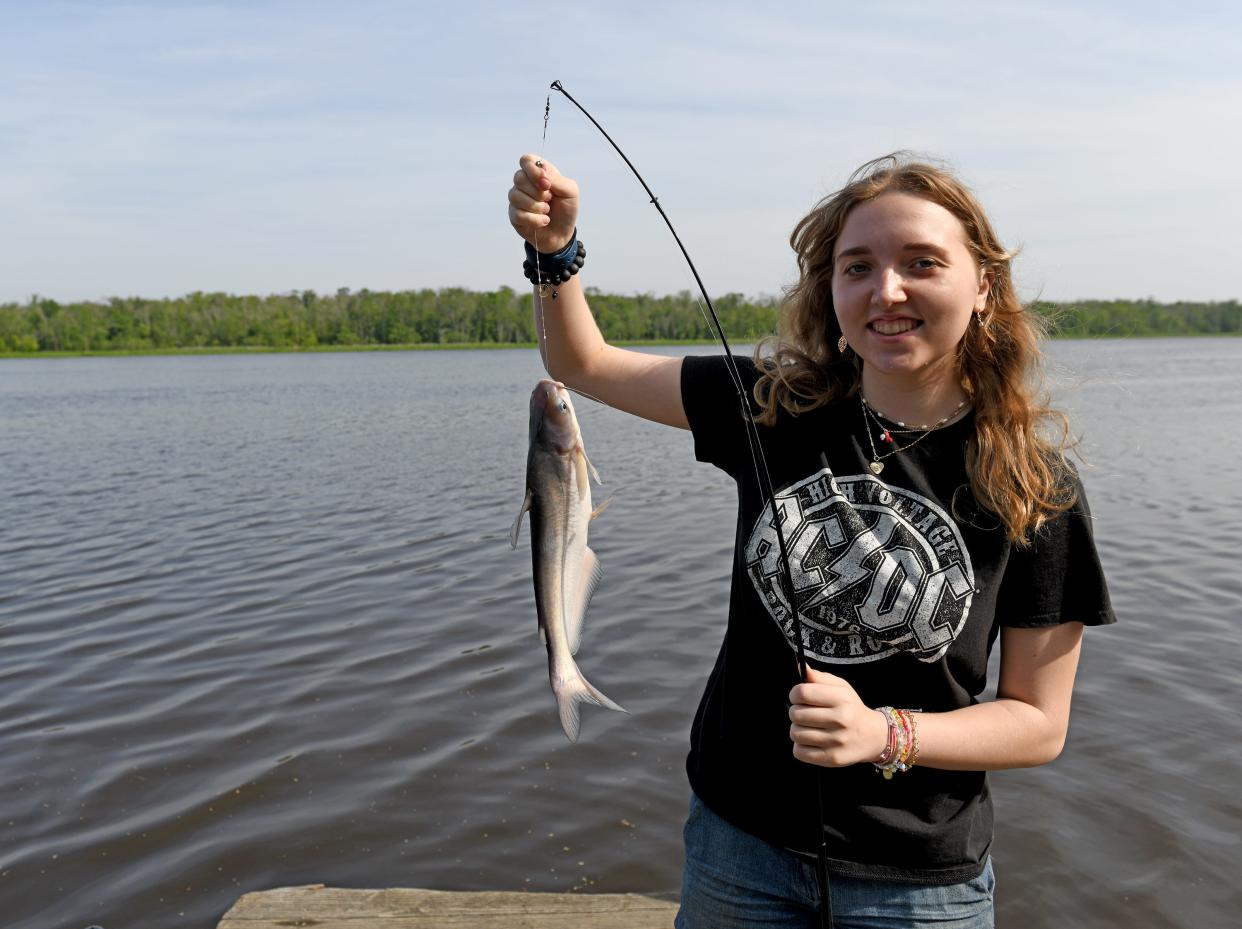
(315, 905)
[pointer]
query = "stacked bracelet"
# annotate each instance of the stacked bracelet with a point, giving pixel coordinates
(545, 270)
(902, 748)
(914, 740)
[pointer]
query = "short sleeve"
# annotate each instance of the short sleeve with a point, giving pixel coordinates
(714, 409)
(1058, 578)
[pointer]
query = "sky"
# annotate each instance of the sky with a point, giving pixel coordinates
(155, 149)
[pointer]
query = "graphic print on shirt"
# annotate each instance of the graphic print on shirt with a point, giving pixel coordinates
(876, 569)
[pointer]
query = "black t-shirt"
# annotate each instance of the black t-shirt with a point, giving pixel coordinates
(903, 584)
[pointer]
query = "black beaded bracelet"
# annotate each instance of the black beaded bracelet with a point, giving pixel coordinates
(557, 268)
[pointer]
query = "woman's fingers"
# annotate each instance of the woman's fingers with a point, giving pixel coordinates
(527, 224)
(533, 166)
(820, 716)
(814, 746)
(562, 188)
(523, 182)
(529, 207)
(543, 176)
(544, 202)
(523, 201)
(815, 736)
(535, 176)
(836, 735)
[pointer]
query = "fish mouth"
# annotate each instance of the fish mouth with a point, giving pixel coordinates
(545, 386)
(552, 416)
(549, 391)
(894, 326)
(548, 395)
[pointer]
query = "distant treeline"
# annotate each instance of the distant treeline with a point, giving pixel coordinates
(454, 316)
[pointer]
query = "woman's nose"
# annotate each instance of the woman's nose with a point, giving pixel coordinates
(890, 288)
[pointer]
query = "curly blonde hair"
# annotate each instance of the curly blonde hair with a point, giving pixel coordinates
(1016, 458)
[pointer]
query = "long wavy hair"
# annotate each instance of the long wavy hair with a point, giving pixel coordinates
(1016, 458)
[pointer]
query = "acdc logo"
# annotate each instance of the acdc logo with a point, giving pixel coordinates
(876, 569)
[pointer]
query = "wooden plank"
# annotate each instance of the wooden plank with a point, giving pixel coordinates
(408, 908)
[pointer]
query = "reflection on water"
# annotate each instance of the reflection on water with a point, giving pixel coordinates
(260, 625)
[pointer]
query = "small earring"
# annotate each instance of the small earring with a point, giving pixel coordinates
(842, 345)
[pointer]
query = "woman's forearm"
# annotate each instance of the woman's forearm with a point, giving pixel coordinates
(1024, 726)
(1003, 733)
(574, 352)
(569, 338)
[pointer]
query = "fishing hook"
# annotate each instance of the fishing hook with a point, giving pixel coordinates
(765, 483)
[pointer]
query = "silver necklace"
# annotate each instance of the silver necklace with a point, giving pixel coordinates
(886, 434)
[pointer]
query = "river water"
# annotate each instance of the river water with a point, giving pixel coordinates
(260, 625)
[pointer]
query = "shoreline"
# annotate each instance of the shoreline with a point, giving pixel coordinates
(488, 346)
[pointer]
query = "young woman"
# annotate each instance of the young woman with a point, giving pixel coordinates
(928, 511)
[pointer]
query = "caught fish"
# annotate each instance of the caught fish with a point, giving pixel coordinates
(558, 496)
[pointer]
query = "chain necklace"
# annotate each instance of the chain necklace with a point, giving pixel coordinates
(886, 434)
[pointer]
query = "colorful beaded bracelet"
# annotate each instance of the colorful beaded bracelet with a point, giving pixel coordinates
(903, 742)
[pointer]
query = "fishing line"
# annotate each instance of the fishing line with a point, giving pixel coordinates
(583, 393)
(765, 483)
(698, 301)
(541, 333)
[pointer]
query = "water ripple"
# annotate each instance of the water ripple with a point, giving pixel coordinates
(261, 625)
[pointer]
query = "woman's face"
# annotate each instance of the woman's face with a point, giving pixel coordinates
(905, 284)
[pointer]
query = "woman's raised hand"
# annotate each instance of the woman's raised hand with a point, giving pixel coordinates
(543, 204)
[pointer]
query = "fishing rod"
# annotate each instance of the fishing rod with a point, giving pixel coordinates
(764, 477)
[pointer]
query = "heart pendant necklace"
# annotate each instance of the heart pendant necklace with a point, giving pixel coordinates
(876, 465)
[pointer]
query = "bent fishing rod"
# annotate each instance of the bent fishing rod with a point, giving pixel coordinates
(763, 476)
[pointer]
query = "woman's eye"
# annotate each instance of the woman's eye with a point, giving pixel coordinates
(857, 268)
(925, 264)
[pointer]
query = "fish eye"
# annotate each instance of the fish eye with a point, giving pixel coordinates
(564, 406)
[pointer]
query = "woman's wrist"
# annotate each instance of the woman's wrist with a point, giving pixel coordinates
(548, 269)
(550, 248)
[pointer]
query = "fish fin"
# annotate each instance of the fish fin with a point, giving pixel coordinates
(594, 473)
(603, 506)
(575, 609)
(580, 470)
(574, 691)
(517, 523)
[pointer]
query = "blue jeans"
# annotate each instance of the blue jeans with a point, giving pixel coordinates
(731, 879)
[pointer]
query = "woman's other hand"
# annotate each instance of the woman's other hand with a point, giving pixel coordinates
(543, 204)
(831, 726)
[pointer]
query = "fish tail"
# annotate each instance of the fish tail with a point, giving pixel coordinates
(573, 691)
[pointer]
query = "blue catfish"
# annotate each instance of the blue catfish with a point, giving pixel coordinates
(558, 496)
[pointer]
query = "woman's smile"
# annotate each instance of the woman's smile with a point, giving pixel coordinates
(888, 326)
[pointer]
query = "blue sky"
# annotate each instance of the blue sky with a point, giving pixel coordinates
(159, 148)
